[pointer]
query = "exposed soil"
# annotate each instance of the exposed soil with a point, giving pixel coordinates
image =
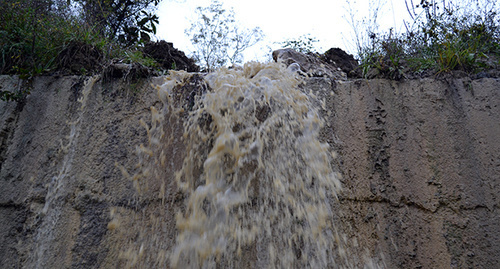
(79, 58)
(169, 57)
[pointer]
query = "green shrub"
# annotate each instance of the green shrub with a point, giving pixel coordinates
(38, 37)
(442, 41)
(33, 37)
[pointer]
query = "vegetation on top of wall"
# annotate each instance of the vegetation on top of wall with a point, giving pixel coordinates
(85, 36)
(444, 38)
(71, 37)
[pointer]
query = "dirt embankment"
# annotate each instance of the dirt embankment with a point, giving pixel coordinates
(420, 161)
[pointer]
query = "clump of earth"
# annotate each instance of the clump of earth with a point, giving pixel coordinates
(83, 59)
(79, 58)
(169, 57)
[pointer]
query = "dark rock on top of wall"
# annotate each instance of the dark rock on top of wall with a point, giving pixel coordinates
(346, 62)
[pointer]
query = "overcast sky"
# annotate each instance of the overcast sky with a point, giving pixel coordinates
(280, 20)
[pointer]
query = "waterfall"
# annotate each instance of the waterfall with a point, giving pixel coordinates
(258, 184)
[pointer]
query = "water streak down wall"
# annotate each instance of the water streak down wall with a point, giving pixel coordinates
(420, 161)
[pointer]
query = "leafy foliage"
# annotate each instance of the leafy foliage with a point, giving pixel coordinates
(444, 38)
(128, 21)
(40, 36)
(33, 34)
(218, 38)
(304, 44)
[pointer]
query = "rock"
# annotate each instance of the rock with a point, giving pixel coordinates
(338, 58)
(310, 64)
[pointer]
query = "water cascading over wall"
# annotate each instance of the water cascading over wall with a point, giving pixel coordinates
(258, 182)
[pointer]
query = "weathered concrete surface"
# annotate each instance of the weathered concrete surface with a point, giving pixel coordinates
(420, 161)
(75, 179)
(421, 167)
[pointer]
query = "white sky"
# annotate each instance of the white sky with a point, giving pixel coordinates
(324, 20)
